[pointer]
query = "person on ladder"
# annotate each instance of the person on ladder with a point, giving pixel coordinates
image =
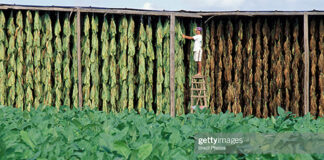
(197, 47)
(197, 58)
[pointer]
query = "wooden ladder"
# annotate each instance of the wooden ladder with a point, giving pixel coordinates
(198, 92)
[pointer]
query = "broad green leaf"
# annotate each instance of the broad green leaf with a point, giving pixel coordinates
(121, 148)
(178, 154)
(281, 111)
(25, 137)
(144, 151)
(303, 157)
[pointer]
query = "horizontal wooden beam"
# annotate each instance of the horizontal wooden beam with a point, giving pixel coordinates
(262, 13)
(62, 9)
(255, 13)
(315, 13)
(193, 14)
(102, 10)
(141, 12)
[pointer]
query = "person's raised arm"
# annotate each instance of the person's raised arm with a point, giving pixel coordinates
(187, 37)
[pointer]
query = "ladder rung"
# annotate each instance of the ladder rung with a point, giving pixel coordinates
(198, 89)
(198, 77)
(198, 82)
(198, 96)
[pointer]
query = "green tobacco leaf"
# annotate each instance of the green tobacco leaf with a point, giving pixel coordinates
(273, 120)
(144, 151)
(178, 154)
(26, 138)
(281, 111)
(77, 123)
(121, 148)
(303, 157)
(175, 137)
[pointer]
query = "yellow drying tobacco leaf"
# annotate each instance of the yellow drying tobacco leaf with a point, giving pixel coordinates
(105, 95)
(86, 62)
(66, 61)
(159, 65)
(122, 63)
(29, 83)
(150, 56)
(166, 67)
(131, 63)
(141, 68)
(20, 36)
(94, 66)
(38, 86)
(3, 59)
(113, 65)
(58, 87)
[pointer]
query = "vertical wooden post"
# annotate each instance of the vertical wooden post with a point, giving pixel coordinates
(172, 36)
(306, 62)
(79, 56)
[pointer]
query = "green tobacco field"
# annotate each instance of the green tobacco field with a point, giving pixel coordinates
(47, 133)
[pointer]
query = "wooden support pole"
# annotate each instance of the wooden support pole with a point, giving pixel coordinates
(79, 56)
(306, 62)
(172, 86)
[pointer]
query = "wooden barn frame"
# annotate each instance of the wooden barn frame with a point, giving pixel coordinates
(173, 15)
